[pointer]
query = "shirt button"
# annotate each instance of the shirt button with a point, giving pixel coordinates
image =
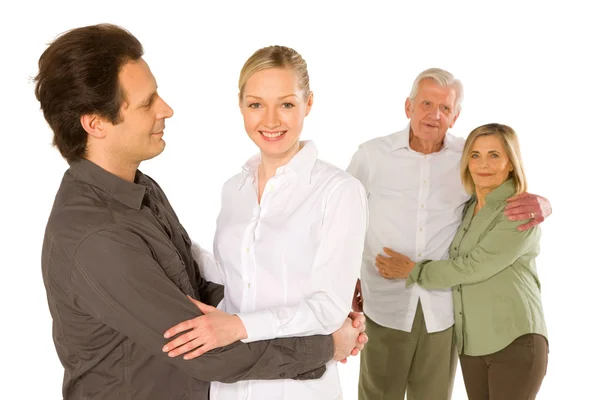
(247, 250)
(420, 254)
(422, 205)
(455, 248)
(425, 182)
(248, 286)
(421, 229)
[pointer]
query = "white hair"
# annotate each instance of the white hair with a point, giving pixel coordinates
(442, 78)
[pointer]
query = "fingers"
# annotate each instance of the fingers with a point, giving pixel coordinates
(196, 302)
(391, 252)
(205, 308)
(199, 351)
(518, 197)
(182, 327)
(188, 337)
(187, 347)
(357, 318)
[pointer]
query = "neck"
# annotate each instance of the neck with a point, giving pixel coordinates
(424, 146)
(480, 193)
(123, 170)
(269, 164)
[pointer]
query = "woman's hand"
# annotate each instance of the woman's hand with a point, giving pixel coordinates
(396, 266)
(213, 329)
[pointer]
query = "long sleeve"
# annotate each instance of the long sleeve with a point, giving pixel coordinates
(499, 248)
(117, 281)
(209, 267)
(334, 273)
(358, 167)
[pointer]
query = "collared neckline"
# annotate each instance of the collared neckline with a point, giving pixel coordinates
(501, 193)
(401, 141)
(130, 194)
(301, 164)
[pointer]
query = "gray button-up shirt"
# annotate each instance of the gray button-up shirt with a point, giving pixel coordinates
(117, 267)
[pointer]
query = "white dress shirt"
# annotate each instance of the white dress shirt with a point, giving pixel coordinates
(290, 263)
(415, 206)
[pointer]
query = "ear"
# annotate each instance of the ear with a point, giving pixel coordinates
(240, 101)
(408, 108)
(309, 103)
(454, 120)
(93, 125)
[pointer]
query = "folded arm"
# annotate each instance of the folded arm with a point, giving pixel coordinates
(117, 280)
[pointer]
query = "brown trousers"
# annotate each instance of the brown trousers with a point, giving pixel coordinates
(417, 363)
(513, 373)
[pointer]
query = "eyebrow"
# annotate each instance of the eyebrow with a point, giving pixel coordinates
(279, 98)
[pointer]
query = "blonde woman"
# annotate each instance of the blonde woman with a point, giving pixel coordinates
(289, 236)
(499, 322)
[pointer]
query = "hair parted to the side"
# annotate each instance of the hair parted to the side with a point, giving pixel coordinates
(79, 75)
(275, 57)
(511, 145)
(442, 78)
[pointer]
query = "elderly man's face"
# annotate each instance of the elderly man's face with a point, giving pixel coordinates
(432, 111)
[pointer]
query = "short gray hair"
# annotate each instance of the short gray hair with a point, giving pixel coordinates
(442, 78)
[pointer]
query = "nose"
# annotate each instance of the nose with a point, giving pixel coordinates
(271, 120)
(435, 113)
(165, 111)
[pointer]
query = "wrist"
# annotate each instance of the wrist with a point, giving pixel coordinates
(240, 329)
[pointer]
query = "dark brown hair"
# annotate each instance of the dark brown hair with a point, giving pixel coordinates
(79, 75)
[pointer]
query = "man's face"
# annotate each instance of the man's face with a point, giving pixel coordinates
(138, 136)
(432, 111)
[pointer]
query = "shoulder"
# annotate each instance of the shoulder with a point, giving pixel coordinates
(332, 177)
(381, 143)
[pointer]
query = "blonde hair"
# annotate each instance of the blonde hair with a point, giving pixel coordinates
(508, 137)
(275, 57)
(442, 78)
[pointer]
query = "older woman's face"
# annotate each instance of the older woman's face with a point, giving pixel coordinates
(274, 108)
(489, 164)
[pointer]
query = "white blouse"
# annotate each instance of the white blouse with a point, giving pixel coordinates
(290, 263)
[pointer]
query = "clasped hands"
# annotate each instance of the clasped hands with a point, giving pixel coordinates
(217, 328)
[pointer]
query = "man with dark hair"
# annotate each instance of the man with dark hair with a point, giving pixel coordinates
(117, 264)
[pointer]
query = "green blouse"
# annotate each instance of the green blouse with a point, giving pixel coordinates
(495, 287)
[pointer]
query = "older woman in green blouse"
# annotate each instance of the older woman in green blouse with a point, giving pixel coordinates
(499, 322)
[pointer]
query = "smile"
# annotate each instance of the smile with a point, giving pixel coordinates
(272, 135)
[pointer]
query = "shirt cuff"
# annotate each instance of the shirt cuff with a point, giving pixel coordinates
(260, 325)
(415, 274)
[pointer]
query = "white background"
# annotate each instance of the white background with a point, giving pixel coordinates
(530, 65)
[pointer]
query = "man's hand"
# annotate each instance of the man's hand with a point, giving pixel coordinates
(349, 339)
(357, 300)
(526, 206)
(396, 266)
(213, 329)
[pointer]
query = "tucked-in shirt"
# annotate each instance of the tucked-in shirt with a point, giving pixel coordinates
(291, 262)
(117, 267)
(415, 206)
(492, 270)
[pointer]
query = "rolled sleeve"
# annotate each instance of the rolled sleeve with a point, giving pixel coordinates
(117, 280)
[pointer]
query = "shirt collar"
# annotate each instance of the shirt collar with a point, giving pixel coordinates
(400, 140)
(129, 193)
(301, 164)
(501, 193)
